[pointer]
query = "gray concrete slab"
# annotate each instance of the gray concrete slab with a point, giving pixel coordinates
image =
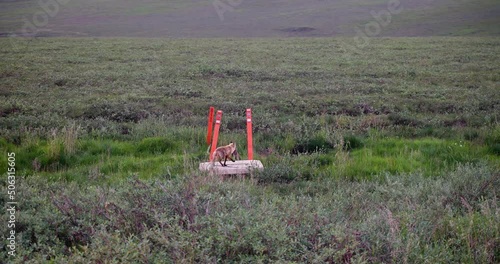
(237, 167)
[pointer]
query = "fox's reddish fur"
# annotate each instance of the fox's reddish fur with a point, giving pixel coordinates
(224, 152)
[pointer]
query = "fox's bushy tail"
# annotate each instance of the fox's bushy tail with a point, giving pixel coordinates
(212, 155)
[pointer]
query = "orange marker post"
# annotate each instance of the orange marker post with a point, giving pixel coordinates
(249, 134)
(218, 118)
(210, 124)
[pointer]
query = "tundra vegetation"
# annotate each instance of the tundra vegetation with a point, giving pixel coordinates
(390, 154)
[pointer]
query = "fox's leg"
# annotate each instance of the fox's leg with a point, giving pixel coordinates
(236, 155)
(225, 159)
(220, 161)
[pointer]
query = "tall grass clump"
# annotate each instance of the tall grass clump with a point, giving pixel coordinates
(70, 138)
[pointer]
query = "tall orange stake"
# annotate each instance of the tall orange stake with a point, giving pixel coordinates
(210, 124)
(218, 118)
(249, 134)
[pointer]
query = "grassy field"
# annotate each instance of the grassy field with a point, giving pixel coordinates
(387, 154)
(256, 18)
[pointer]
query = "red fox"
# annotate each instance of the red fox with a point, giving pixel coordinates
(225, 152)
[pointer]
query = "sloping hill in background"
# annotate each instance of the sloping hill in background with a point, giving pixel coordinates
(248, 18)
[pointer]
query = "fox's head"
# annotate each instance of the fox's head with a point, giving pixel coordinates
(232, 144)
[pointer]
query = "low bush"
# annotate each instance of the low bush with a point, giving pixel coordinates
(278, 173)
(313, 144)
(493, 141)
(352, 142)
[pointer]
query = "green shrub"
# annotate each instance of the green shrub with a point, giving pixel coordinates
(494, 149)
(278, 173)
(404, 119)
(314, 144)
(471, 134)
(352, 142)
(156, 145)
(493, 141)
